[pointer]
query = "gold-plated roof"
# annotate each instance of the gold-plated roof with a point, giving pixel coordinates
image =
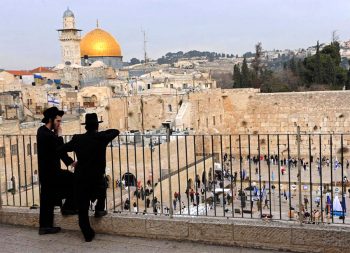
(99, 43)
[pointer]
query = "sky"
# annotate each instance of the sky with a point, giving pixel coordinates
(28, 36)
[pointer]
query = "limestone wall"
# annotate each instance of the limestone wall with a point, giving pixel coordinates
(314, 112)
(323, 112)
(125, 113)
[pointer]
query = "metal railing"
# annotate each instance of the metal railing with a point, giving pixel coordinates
(271, 176)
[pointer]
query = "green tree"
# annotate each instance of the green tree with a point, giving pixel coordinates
(246, 76)
(329, 73)
(134, 61)
(237, 78)
(256, 64)
(333, 50)
(292, 65)
(285, 65)
(348, 78)
(317, 65)
(322, 68)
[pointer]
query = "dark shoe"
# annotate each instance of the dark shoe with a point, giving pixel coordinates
(99, 214)
(50, 230)
(68, 212)
(90, 236)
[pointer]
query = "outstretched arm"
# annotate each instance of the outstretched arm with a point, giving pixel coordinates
(109, 135)
(64, 148)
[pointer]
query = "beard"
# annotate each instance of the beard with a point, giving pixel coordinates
(53, 126)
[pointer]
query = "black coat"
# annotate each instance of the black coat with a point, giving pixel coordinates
(90, 149)
(49, 163)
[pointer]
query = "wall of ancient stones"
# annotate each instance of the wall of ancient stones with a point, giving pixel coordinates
(323, 112)
(125, 113)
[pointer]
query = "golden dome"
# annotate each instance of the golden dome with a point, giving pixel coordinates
(99, 43)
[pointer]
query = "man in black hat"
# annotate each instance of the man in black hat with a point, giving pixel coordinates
(56, 183)
(90, 149)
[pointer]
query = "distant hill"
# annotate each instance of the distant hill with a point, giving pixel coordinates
(170, 58)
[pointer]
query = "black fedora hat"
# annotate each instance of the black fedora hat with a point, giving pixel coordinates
(51, 113)
(91, 118)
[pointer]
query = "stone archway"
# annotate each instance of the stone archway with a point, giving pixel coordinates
(129, 179)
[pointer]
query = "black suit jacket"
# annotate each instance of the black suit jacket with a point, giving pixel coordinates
(90, 149)
(49, 163)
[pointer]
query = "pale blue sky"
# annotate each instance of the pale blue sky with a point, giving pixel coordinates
(29, 38)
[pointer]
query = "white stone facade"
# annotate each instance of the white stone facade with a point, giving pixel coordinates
(70, 41)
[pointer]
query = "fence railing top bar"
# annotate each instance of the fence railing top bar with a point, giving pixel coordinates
(176, 134)
(235, 134)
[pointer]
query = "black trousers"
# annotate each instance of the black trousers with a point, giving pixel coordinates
(53, 190)
(47, 204)
(89, 190)
(99, 193)
(84, 196)
(101, 199)
(65, 190)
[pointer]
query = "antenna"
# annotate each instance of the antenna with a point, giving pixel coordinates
(97, 23)
(335, 36)
(144, 45)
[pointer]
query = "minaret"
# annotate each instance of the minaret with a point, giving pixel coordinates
(70, 39)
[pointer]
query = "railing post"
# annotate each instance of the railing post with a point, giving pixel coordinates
(169, 171)
(0, 181)
(1, 190)
(299, 176)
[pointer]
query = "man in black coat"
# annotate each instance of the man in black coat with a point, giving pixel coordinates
(90, 149)
(56, 183)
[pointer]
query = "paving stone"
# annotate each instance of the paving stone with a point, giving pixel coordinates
(25, 239)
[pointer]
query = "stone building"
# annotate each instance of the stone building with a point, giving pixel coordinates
(69, 37)
(43, 75)
(178, 81)
(11, 80)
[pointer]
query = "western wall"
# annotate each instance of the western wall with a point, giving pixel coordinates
(247, 111)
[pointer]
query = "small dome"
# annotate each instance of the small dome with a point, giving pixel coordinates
(98, 64)
(68, 13)
(59, 66)
(75, 66)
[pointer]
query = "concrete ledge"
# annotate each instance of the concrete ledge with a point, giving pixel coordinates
(167, 228)
(126, 226)
(211, 231)
(275, 235)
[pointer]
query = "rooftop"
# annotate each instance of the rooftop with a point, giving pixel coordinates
(19, 72)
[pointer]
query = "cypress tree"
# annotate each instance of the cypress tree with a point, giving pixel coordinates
(237, 79)
(246, 80)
